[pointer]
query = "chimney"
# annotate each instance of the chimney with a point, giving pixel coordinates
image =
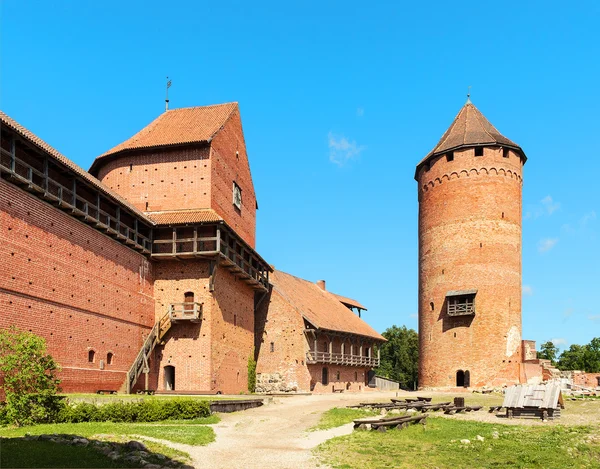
(321, 284)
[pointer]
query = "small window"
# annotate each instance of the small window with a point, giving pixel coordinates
(505, 152)
(109, 358)
(237, 196)
(450, 156)
(356, 376)
(325, 376)
(91, 356)
(272, 346)
(235, 319)
(337, 375)
(478, 151)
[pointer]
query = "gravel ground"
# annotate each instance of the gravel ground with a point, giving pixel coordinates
(276, 436)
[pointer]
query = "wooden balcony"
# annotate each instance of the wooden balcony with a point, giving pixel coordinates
(341, 359)
(188, 242)
(190, 311)
(68, 199)
(461, 309)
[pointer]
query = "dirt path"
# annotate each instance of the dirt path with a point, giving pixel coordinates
(275, 435)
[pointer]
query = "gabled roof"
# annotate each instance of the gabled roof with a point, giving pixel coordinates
(177, 127)
(349, 302)
(470, 128)
(83, 174)
(319, 307)
(182, 217)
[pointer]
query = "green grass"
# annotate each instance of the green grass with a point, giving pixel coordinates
(437, 445)
(17, 452)
(178, 432)
(337, 417)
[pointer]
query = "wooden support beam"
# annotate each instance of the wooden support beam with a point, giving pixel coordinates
(135, 235)
(195, 239)
(13, 154)
(174, 240)
(74, 204)
(118, 227)
(213, 272)
(46, 173)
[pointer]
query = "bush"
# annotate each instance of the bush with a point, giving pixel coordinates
(151, 410)
(29, 378)
(251, 373)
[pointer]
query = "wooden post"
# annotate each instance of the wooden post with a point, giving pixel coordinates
(13, 154)
(46, 173)
(330, 350)
(98, 206)
(378, 355)
(118, 227)
(316, 348)
(218, 249)
(74, 193)
(135, 237)
(174, 240)
(195, 239)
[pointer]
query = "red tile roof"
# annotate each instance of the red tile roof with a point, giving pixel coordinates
(178, 126)
(470, 128)
(31, 137)
(181, 217)
(319, 307)
(349, 301)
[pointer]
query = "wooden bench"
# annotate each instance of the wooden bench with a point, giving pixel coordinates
(392, 422)
(106, 391)
(149, 392)
(495, 408)
(340, 390)
(426, 399)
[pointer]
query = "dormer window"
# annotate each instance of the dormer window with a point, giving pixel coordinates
(237, 196)
(461, 302)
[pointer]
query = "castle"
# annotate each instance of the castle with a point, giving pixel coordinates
(142, 273)
(470, 206)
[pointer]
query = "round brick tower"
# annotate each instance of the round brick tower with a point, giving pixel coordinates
(469, 189)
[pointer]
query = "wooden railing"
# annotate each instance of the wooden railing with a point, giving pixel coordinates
(185, 311)
(41, 184)
(341, 359)
(461, 309)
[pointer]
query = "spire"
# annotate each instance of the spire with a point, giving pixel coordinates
(470, 128)
(469, 95)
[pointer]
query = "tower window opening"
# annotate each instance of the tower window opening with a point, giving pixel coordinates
(502, 214)
(272, 346)
(460, 303)
(450, 156)
(432, 306)
(237, 196)
(91, 356)
(505, 152)
(109, 358)
(478, 151)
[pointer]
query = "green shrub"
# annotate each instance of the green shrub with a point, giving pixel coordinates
(251, 373)
(150, 410)
(29, 378)
(3, 417)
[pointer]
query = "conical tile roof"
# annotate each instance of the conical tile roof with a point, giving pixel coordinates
(470, 128)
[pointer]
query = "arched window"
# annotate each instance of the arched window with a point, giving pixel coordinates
(467, 379)
(91, 356)
(325, 376)
(109, 358)
(188, 297)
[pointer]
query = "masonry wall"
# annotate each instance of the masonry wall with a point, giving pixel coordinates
(470, 238)
(284, 368)
(348, 378)
(74, 286)
(164, 179)
(588, 380)
(229, 162)
(212, 355)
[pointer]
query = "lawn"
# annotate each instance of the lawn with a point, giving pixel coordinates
(438, 445)
(340, 416)
(190, 432)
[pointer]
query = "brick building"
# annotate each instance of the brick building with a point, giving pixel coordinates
(308, 339)
(469, 189)
(142, 272)
(144, 266)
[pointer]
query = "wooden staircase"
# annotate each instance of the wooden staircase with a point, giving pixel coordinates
(177, 312)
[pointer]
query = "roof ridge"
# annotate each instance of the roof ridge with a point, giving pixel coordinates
(198, 107)
(225, 121)
(482, 120)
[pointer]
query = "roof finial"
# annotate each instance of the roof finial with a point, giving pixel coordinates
(469, 95)
(167, 99)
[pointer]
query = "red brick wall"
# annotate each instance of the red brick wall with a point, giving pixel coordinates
(470, 238)
(232, 316)
(228, 167)
(213, 355)
(351, 378)
(589, 380)
(74, 286)
(278, 322)
(166, 179)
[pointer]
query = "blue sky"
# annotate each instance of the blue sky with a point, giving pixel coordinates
(339, 102)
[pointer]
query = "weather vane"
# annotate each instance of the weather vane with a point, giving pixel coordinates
(167, 99)
(468, 95)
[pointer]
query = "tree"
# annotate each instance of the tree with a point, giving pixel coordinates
(29, 377)
(548, 351)
(400, 356)
(572, 358)
(591, 356)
